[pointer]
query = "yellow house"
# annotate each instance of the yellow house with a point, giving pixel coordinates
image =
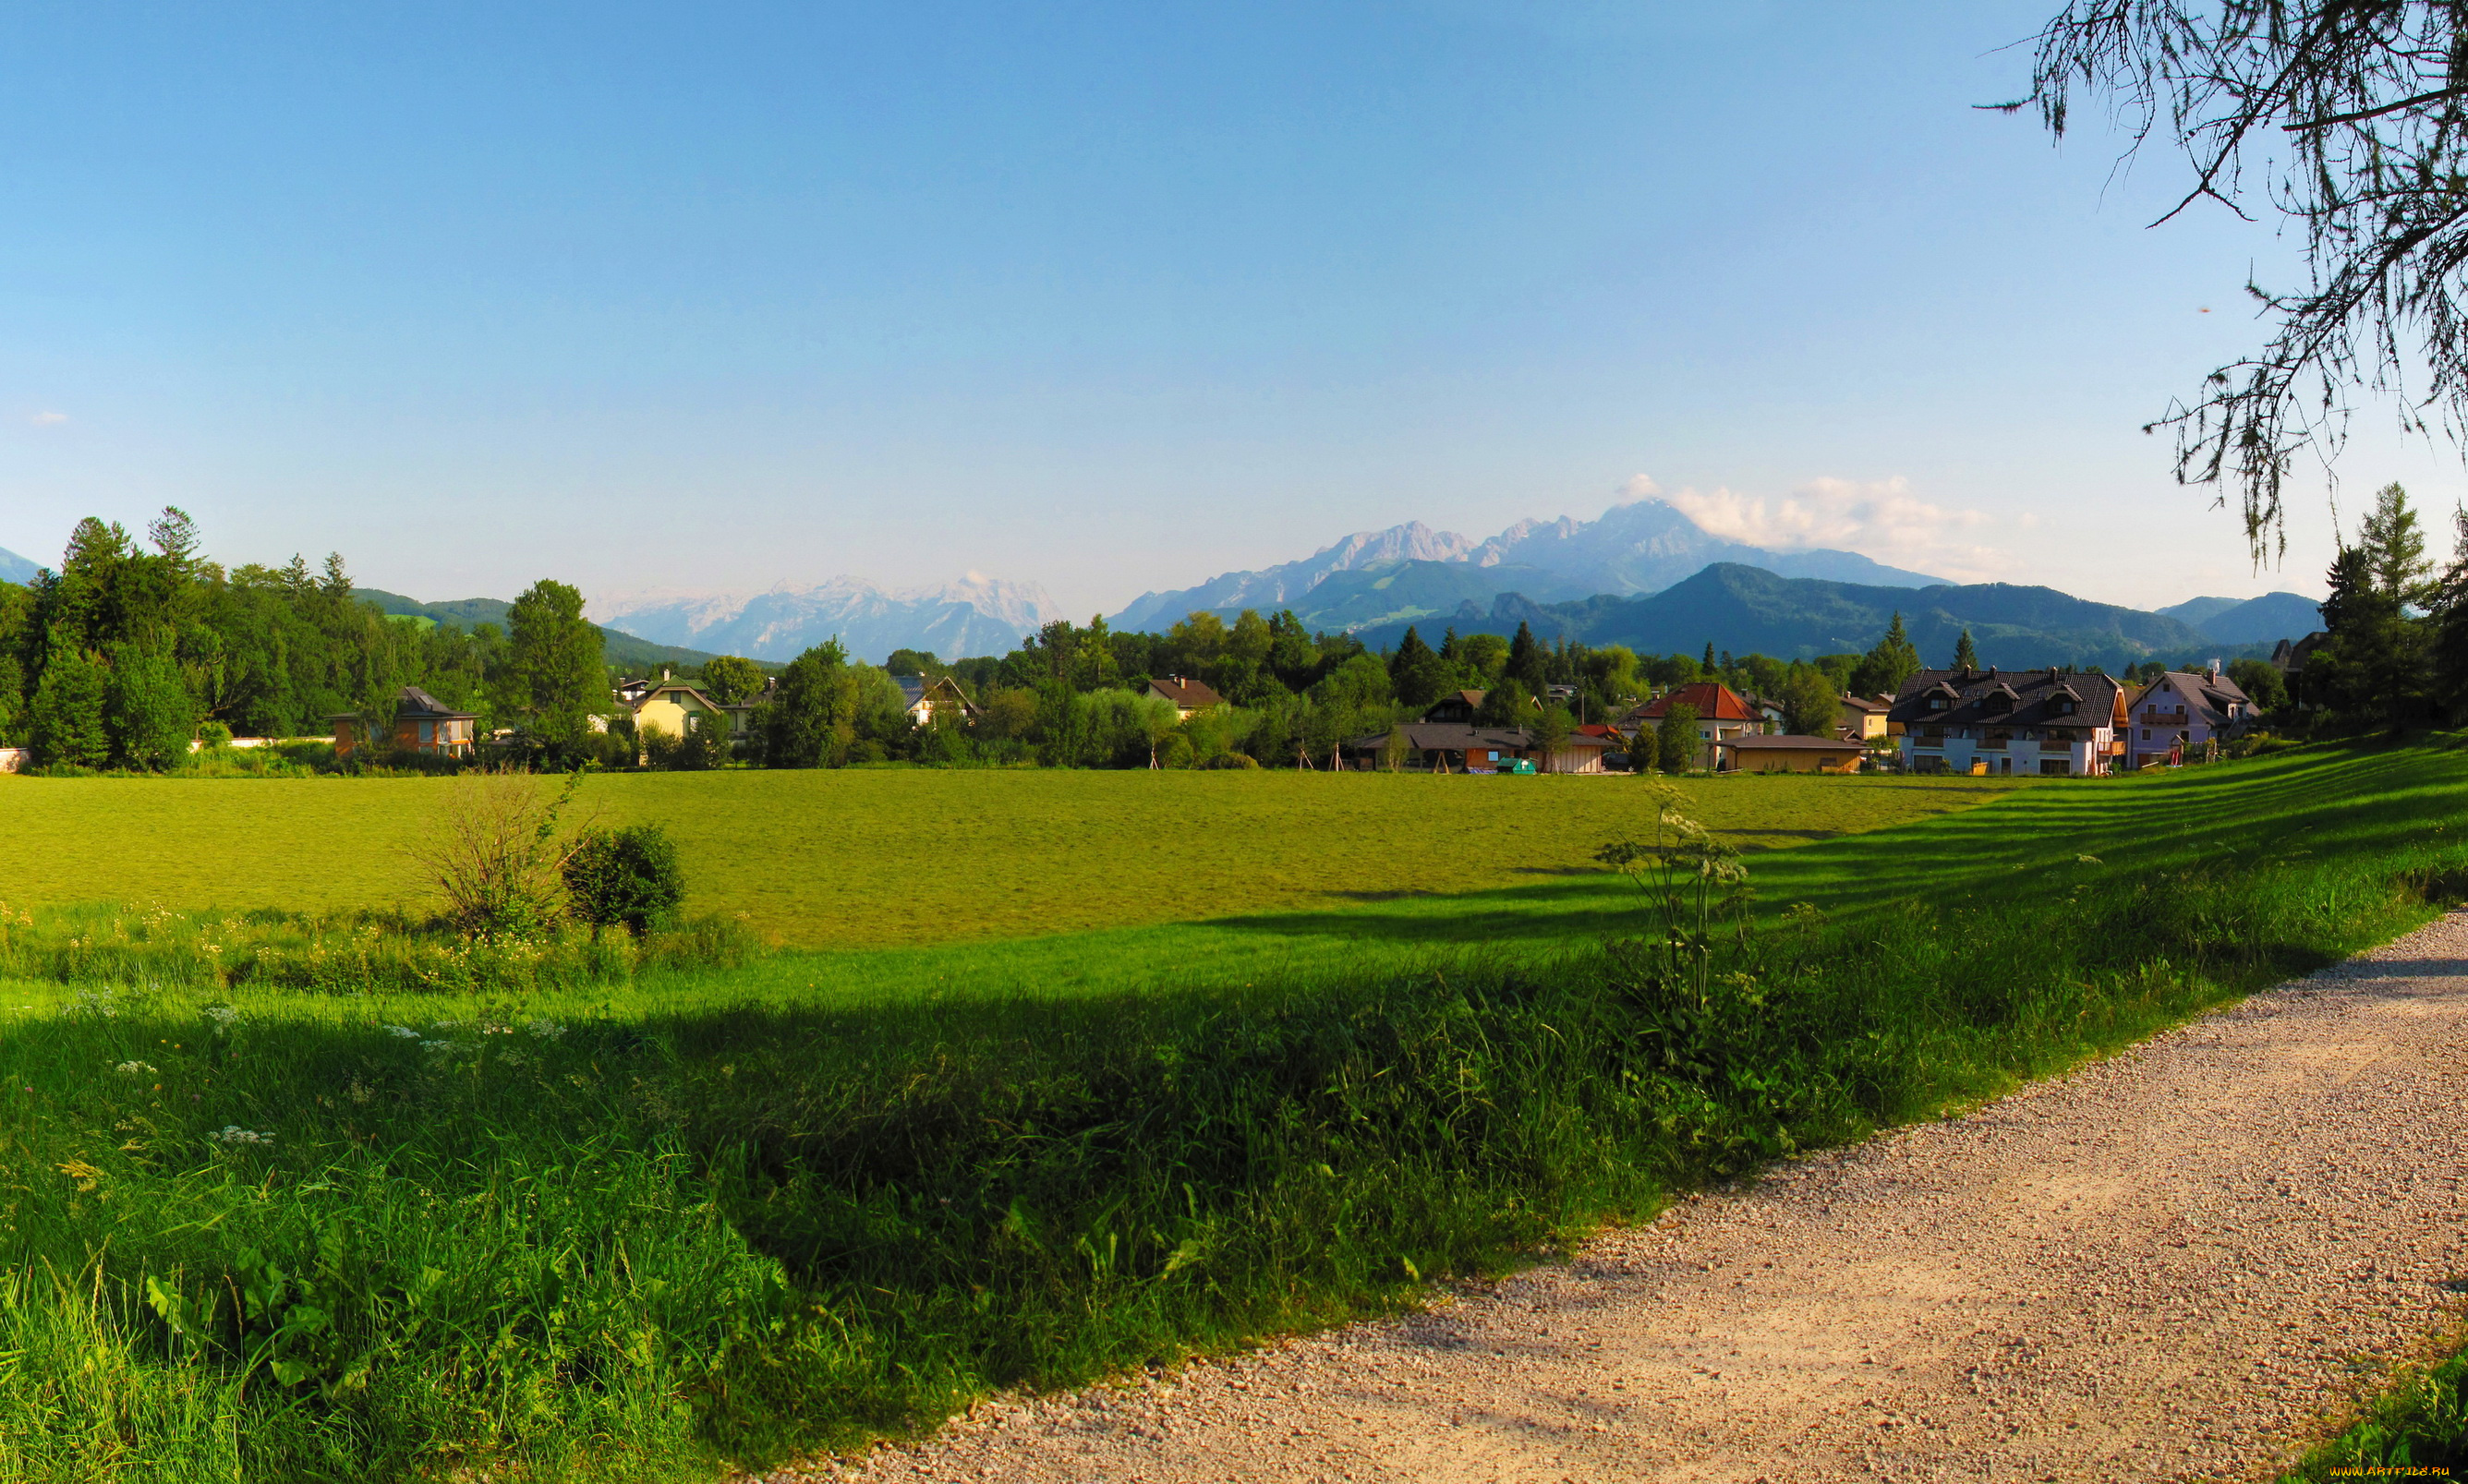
(675, 708)
(1864, 718)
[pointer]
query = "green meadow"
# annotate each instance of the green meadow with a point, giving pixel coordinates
(867, 857)
(1249, 1054)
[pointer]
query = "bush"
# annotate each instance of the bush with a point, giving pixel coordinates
(628, 877)
(494, 856)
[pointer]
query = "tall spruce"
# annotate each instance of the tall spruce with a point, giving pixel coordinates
(1966, 655)
(1893, 661)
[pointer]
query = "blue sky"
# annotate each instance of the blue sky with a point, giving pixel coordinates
(1107, 296)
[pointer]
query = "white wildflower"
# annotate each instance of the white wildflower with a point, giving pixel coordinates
(233, 1133)
(403, 1031)
(545, 1030)
(135, 1068)
(224, 1017)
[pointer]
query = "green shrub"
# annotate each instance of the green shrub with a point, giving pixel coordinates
(628, 877)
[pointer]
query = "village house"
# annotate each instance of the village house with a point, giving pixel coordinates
(2059, 722)
(1190, 697)
(1762, 754)
(2185, 715)
(1864, 718)
(1449, 741)
(1723, 714)
(673, 707)
(422, 724)
(924, 699)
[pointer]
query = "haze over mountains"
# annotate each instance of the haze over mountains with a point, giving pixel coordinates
(976, 615)
(1643, 575)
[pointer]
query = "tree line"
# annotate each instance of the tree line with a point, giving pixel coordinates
(120, 657)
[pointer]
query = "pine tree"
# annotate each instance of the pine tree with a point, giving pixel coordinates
(1528, 662)
(1965, 655)
(1884, 669)
(1414, 671)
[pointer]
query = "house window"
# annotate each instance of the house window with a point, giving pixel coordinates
(2146, 734)
(427, 733)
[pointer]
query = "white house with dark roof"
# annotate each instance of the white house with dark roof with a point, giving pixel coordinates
(2055, 722)
(2181, 715)
(924, 699)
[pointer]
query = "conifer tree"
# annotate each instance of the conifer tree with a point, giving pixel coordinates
(1882, 669)
(1966, 657)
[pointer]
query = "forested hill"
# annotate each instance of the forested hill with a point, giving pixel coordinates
(623, 650)
(1744, 609)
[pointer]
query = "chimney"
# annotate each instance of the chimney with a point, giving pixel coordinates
(664, 673)
(2215, 671)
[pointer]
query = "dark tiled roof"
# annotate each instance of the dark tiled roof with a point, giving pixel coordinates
(2206, 700)
(414, 704)
(2035, 694)
(1189, 694)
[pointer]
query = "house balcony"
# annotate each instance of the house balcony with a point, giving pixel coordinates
(1992, 745)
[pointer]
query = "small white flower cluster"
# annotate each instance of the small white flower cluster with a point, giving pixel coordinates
(403, 1031)
(224, 1017)
(233, 1133)
(544, 1029)
(135, 1068)
(104, 1003)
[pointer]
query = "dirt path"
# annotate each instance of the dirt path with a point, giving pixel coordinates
(2157, 1267)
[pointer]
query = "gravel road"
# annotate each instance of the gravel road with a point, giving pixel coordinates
(2165, 1266)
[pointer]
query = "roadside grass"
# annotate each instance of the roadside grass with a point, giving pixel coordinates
(2419, 1428)
(885, 857)
(635, 1231)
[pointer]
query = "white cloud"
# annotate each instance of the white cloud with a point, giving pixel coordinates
(1638, 487)
(47, 418)
(1876, 517)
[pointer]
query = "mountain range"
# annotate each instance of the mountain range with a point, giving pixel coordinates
(978, 615)
(1404, 572)
(1744, 609)
(2264, 620)
(1644, 574)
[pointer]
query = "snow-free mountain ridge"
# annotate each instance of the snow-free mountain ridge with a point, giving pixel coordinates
(15, 568)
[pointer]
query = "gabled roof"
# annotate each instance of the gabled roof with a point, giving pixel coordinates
(914, 689)
(1190, 695)
(2036, 696)
(2205, 699)
(414, 704)
(665, 687)
(1755, 743)
(1451, 737)
(1867, 705)
(1713, 702)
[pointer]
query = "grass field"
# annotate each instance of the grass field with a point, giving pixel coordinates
(629, 1233)
(882, 857)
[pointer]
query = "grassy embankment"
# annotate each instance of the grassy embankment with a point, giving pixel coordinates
(551, 1238)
